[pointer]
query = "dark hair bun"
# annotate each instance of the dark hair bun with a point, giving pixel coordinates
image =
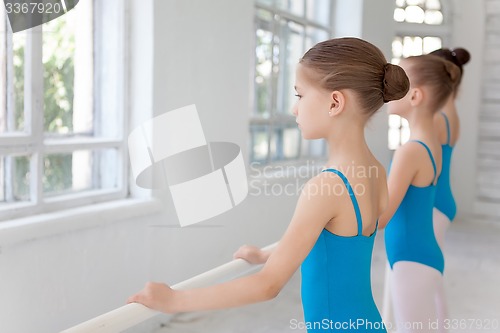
(458, 56)
(461, 55)
(396, 83)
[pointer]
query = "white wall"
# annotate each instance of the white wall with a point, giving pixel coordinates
(378, 28)
(468, 32)
(487, 189)
(52, 283)
(204, 55)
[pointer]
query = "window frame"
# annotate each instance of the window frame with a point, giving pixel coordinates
(282, 119)
(408, 29)
(33, 140)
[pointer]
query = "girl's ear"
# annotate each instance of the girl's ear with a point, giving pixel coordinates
(337, 105)
(416, 96)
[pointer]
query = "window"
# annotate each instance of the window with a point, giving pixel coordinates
(61, 111)
(418, 11)
(421, 28)
(284, 30)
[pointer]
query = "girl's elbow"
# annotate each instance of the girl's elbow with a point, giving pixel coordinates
(383, 220)
(269, 287)
(271, 291)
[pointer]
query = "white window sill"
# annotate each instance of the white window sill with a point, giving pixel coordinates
(44, 225)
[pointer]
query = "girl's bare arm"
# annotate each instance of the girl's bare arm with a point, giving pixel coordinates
(314, 209)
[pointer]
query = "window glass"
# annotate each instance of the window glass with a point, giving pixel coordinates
(284, 29)
(425, 12)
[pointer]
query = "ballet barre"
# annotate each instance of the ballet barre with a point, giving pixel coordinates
(132, 314)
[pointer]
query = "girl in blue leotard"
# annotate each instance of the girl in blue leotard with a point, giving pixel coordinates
(446, 124)
(447, 127)
(414, 256)
(340, 84)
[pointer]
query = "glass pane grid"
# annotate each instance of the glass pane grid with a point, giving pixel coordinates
(295, 7)
(407, 46)
(14, 178)
(285, 143)
(3, 72)
(311, 12)
(58, 65)
(418, 11)
(402, 47)
(13, 83)
(263, 67)
(319, 11)
(292, 48)
(80, 171)
(269, 3)
(314, 36)
(66, 111)
(280, 42)
(259, 142)
(67, 66)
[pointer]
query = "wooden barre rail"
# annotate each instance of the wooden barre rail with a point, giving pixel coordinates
(132, 314)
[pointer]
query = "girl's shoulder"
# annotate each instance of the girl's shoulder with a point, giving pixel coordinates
(325, 185)
(418, 149)
(331, 176)
(321, 196)
(415, 155)
(407, 156)
(409, 149)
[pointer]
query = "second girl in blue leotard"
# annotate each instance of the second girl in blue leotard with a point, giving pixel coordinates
(447, 127)
(414, 255)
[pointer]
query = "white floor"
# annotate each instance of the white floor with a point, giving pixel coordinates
(472, 276)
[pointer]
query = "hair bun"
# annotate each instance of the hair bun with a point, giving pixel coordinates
(395, 82)
(461, 55)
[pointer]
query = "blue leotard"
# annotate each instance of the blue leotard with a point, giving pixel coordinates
(444, 197)
(336, 289)
(409, 235)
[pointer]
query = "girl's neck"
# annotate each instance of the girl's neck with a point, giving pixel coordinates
(421, 126)
(346, 146)
(449, 107)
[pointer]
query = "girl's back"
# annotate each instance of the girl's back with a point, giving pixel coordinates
(336, 274)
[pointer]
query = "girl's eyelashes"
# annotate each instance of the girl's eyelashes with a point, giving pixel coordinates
(297, 95)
